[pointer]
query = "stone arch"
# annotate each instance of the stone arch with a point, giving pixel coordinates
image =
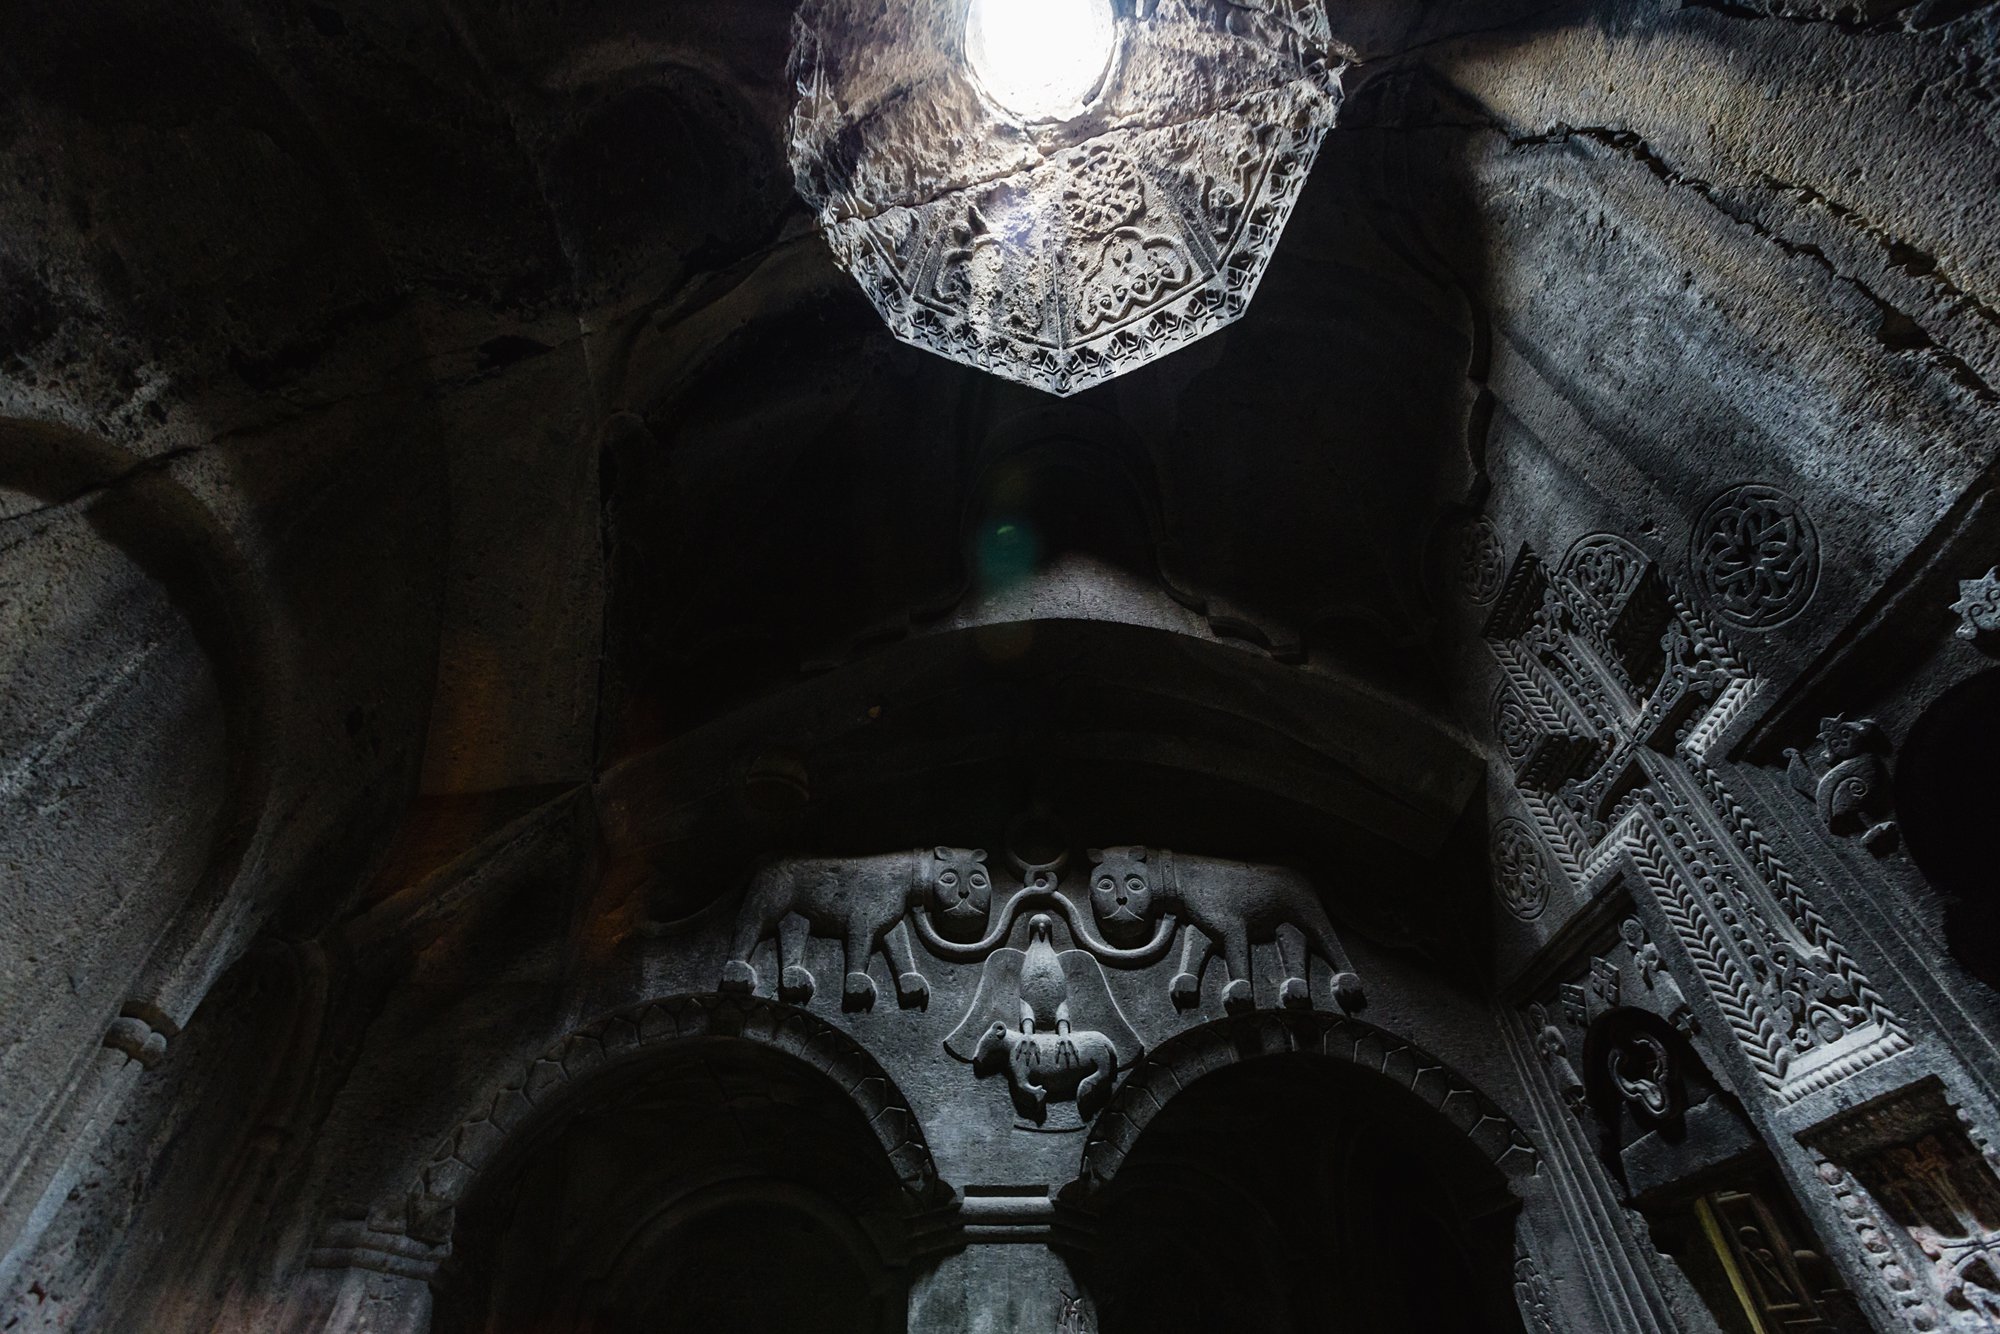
(164, 533)
(134, 645)
(1185, 1058)
(616, 1039)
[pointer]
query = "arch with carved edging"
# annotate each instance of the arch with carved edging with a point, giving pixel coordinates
(617, 1041)
(1186, 1057)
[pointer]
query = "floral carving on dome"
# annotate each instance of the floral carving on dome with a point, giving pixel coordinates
(1060, 253)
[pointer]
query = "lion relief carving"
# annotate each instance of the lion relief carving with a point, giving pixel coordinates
(1231, 907)
(861, 902)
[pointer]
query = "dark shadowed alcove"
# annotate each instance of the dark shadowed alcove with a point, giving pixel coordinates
(1301, 1195)
(721, 1186)
(1948, 795)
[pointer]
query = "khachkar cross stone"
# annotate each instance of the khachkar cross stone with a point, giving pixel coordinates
(1059, 246)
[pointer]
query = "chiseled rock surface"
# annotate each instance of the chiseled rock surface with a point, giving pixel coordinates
(456, 518)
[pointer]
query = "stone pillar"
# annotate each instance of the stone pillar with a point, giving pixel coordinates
(1009, 1279)
(366, 1280)
(375, 1303)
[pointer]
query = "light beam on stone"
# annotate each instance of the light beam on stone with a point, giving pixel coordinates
(1040, 59)
(1051, 191)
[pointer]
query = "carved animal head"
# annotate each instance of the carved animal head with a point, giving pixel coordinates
(991, 1053)
(961, 892)
(1121, 891)
(1844, 738)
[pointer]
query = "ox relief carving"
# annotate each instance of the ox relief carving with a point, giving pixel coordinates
(1048, 1021)
(1223, 907)
(1613, 693)
(859, 901)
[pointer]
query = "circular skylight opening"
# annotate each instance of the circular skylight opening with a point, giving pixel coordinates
(1042, 60)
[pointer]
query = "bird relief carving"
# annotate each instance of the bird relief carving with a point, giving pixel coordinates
(1048, 1021)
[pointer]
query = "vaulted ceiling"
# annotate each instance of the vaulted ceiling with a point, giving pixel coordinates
(522, 439)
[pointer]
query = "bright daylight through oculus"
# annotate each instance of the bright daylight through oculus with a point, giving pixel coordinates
(1040, 59)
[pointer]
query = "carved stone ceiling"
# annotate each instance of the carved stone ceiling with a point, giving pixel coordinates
(1059, 245)
(499, 338)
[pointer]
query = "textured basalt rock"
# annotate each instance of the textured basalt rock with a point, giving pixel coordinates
(446, 483)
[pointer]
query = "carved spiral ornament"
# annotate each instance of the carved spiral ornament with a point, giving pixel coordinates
(1520, 872)
(1055, 222)
(1640, 1070)
(1755, 557)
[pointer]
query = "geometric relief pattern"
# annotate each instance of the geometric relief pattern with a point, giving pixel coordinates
(1802, 1011)
(1520, 872)
(1755, 557)
(1481, 564)
(1186, 1057)
(545, 1080)
(1639, 686)
(1060, 254)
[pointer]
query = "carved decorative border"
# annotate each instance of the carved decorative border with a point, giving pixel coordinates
(1740, 997)
(1872, 1231)
(1186, 1057)
(477, 1139)
(1798, 1004)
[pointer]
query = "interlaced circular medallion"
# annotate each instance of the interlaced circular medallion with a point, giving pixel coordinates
(1604, 567)
(1481, 565)
(1520, 872)
(1755, 557)
(1514, 726)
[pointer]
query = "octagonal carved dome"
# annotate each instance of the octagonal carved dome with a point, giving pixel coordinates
(1060, 253)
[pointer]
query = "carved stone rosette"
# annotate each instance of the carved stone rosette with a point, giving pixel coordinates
(1755, 557)
(1060, 254)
